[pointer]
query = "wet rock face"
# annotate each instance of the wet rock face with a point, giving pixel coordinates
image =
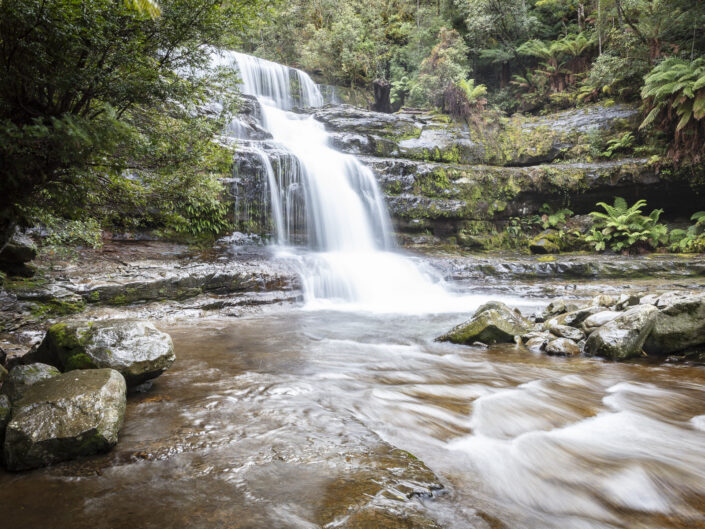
(518, 141)
(21, 378)
(492, 323)
(75, 414)
(134, 348)
(623, 337)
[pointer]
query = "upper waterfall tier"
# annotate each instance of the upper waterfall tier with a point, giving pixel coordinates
(286, 87)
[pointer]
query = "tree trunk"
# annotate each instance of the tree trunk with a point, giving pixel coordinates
(382, 91)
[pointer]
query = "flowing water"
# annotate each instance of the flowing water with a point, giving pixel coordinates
(294, 419)
(281, 420)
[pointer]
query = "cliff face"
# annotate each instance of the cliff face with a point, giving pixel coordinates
(446, 180)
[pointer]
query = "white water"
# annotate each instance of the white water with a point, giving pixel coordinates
(350, 263)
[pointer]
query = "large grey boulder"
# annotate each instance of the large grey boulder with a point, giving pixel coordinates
(623, 337)
(680, 324)
(23, 377)
(75, 414)
(492, 323)
(135, 348)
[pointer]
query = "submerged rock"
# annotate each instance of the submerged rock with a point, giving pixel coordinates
(75, 414)
(623, 337)
(680, 324)
(134, 348)
(23, 377)
(492, 323)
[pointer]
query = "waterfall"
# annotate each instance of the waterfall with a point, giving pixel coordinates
(349, 260)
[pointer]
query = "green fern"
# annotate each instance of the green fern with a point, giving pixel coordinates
(674, 96)
(623, 143)
(624, 228)
(692, 239)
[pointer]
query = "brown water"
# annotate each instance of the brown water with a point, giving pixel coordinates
(289, 419)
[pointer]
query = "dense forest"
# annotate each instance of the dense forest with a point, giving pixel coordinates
(512, 55)
(106, 121)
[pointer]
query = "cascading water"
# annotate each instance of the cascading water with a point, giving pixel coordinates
(350, 262)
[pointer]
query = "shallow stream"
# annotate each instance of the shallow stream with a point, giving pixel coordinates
(288, 419)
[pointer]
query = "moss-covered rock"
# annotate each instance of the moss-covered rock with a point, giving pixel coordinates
(75, 414)
(492, 323)
(134, 348)
(548, 241)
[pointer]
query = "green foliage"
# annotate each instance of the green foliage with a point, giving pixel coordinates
(625, 229)
(446, 65)
(691, 240)
(674, 96)
(624, 143)
(100, 91)
(553, 219)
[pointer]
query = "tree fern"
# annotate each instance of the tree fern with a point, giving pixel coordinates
(674, 98)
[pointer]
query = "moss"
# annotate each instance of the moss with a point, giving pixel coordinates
(58, 307)
(23, 284)
(94, 296)
(69, 344)
(120, 299)
(546, 258)
(78, 361)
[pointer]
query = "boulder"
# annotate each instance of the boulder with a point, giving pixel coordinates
(545, 242)
(623, 337)
(627, 300)
(680, 324)
(599, 319)
(565, 331)
(604, 300)
(23, 377)
(135, 348)
(75, 414)
(536, 341)
(562, 347)
(492, 323)
(18, 252)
